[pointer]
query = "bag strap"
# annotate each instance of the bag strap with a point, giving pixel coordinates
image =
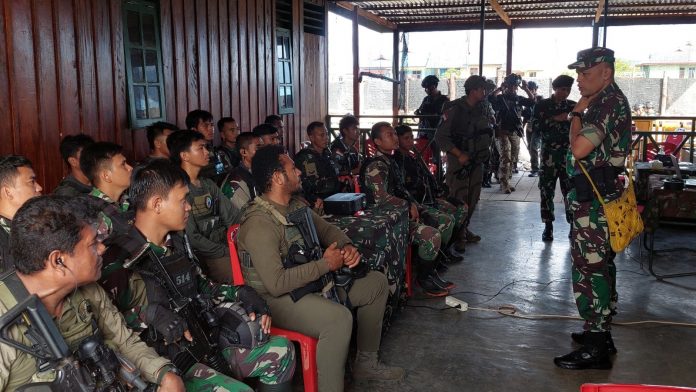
(599, 196)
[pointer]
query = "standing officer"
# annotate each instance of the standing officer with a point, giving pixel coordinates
(551, 121)
(531, 133)
(432, 103)
(508, 107)
(465, 134)
(600, 139)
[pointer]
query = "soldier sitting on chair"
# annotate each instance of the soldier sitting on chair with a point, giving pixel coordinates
(57, 257)
(268, 242)
(151, 268)
(345, 149)
(76, 182)
(17, 185)
(239, 183)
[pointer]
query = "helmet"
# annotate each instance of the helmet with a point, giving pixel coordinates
(532, 85)
(430, 80)
(512, 80)
(237, 329)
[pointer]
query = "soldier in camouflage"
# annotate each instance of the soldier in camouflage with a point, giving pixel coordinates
(319, 171)
(383, 185)
(17, 185)
(238, 185)
(61, 270)
(345, 148)
(109, 172)
(600, 139)
(75, 183)
(159, 195)
(465, 134)
(550, 119)
(228, 151)
(423, 186)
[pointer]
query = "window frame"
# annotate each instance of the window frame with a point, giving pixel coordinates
(283, 33)
(148, 7)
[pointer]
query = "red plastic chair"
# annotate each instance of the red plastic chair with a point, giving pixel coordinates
(308, 344)
(631, 388)
(669, 146)
(351, 179)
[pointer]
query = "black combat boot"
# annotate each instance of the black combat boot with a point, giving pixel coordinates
(283, 387)
(579, 338)
(594, 354)
(430, 288)
(486, 182)
(548, 232)
(458, 242)
(441, 268)
(444, 284)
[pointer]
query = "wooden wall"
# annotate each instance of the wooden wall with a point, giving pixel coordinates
(62, 71)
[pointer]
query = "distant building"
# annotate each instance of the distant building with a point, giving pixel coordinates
(680, 64)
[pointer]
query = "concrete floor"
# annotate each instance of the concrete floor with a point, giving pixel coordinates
(447, 350)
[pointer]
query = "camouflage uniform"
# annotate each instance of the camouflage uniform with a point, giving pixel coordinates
(5, 263)
(509, 114)
(319, 174)
(468, 129)
(555, 144)
(69, 186)
(607, 124)
(116, 216)
(135, 288)
(347, 160)
(83, 310)
(239, 187)
(229, 157)
(382, 185)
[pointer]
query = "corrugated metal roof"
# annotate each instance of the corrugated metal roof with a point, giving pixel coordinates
(405, 13)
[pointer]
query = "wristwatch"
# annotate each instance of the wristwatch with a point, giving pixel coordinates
(574, 114)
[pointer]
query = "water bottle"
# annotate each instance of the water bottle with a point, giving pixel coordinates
(219, 166)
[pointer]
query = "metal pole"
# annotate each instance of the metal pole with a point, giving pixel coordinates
(395, 75)
(508, 66)
(483, 27)
(604, 34)
(595, 33)
(356, 64)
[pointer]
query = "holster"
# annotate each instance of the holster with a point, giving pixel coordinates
(604, 179)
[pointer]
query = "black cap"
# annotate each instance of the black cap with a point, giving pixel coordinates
(588, 58)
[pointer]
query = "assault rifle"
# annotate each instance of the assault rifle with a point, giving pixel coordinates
(96, 368)
(302, 218)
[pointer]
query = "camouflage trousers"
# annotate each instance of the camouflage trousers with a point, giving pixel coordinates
(504, 145)
(459, 213)
(514, 150)
(593, 270)
(553, 168)
(273, 363)
(442, 221)
(427, 239)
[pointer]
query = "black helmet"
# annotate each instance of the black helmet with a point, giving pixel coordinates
(237, 329)
(512, 80)
(430, 80)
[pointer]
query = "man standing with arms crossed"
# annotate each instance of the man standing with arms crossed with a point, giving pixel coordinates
(600, 139)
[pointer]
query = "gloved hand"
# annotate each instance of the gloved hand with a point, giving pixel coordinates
(252, 301)
(166, 322)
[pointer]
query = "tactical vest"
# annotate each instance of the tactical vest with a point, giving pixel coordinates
(395, 183)
(472, 130)
(5, 263)
(291, 235)
(323, 169)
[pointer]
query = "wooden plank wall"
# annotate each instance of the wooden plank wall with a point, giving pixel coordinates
(62, 71)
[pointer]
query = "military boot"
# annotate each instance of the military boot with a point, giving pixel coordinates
(594, 354)
(367, 366)
(471, 237)
(283, 387)
(579, 338)
(486, 182)
(459, 242)
(548, 232)
(444, 284)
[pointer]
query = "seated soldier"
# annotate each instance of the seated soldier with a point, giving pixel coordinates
(76, 182)
(265, 242)
(239, 183)
(109, 172)
(228, 151)
(345, 148)
(424, 187)
(382, 183)
(149, 289)
(202, 121)
(157, 135)
(212, 212)
(17, 185)
(319, 171)
(57, 257)
(278, 123)
(268, 134)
